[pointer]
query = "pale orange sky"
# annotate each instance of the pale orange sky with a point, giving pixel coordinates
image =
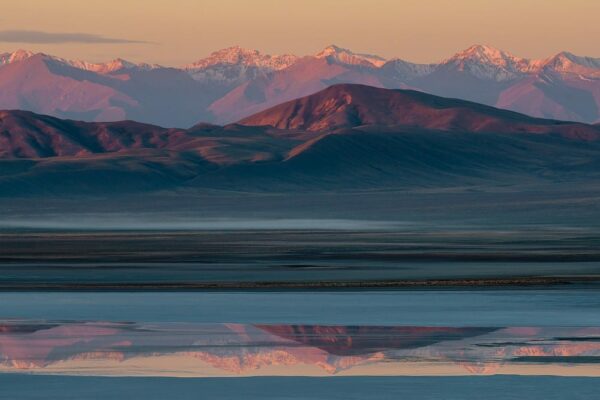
(181, 31)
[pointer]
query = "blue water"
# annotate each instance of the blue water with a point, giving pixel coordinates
(544, 307)
(15, 387)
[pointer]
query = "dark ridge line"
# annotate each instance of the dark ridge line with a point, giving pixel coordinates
(274, 285)
(398, 257)
(557, 359)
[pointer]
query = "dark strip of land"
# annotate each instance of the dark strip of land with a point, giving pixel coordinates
(558, 359)
(388, 284)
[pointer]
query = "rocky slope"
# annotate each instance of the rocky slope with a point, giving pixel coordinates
(349, 137)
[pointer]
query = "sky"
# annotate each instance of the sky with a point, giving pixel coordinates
(178, 32)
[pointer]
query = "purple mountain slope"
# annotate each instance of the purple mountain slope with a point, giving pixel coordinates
(345, 137)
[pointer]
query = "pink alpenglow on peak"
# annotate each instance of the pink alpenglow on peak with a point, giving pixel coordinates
(345, 56)
(570, 63)
(16, 56)
(482, 55)
(101, 67)
(234, 66)
(234, 83)
(489, 56)
(236, 55)
(115, 65)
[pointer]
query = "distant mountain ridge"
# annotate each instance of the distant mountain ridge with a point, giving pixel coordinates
(234, 83)
(104, 68)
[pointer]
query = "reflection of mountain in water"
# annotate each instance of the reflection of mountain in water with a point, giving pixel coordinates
(225, 349)
(358, 340)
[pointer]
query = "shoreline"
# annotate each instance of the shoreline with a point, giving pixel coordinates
(488, 283)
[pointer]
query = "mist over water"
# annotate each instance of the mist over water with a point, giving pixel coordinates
(159, 221)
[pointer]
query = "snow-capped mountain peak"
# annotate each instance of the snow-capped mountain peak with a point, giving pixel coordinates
(566, 62)
(346, 56)
(117, 64)
(235, 65)
(482, 54)
(101, 68)
(16, 56)
(238, 56)
(486, 62)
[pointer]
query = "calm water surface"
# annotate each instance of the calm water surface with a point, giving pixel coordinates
(49, 338)
(527, 307)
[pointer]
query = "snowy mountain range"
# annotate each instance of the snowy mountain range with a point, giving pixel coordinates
(233, 83)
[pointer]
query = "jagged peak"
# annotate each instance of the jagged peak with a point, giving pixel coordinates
(565, 60)
(487, 62)
(347, 56)
(236, 55)
(102, 68)
(333, 49)
(487, 54)
(482, 49)
(16, 56)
